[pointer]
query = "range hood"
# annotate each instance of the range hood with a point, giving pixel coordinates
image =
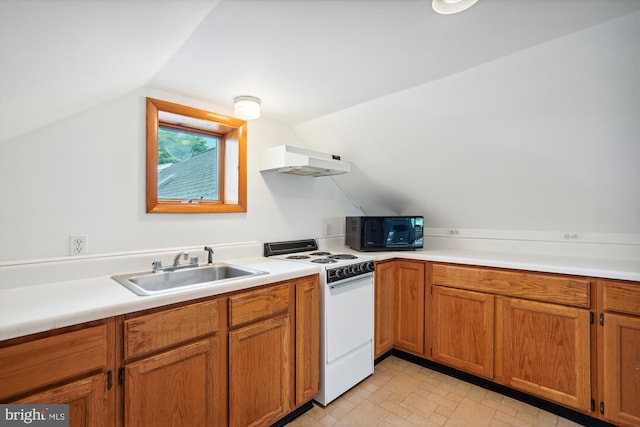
(300, 161)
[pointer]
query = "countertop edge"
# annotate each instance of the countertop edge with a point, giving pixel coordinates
(32, 309)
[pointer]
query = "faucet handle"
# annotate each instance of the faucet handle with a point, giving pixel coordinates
(156, 265)
(194, 260)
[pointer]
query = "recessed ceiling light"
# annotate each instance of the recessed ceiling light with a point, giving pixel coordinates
(447, 7)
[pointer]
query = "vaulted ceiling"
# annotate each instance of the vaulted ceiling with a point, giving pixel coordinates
(304, 58)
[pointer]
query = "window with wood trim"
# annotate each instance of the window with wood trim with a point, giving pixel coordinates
(196, 160)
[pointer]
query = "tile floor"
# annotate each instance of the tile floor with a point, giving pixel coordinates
(401, 393)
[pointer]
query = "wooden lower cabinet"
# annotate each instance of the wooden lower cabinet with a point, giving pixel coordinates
(173, 366)
(246, 358)
(259, 372)
(399, 306)
(621, 353)
(87, 398)
(622, 369)
(383, 299)
(463, 330)
(70, 366)
(527, 330)
(547, 351)
(408, 307)
(175, 388)
(307, 342)
(274, 351)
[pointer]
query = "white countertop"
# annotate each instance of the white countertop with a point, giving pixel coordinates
(30, 309)
(592, 267)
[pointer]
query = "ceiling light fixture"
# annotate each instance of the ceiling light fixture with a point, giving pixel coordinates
(447, 7)
(246, 107)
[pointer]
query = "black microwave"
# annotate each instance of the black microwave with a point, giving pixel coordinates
(383, 233)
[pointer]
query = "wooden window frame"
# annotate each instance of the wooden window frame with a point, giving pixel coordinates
(229, 128)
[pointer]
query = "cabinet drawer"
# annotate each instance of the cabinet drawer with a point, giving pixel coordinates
(254, 305)
(152, 332)
(622, 297)
(554, 288)
(34, 364)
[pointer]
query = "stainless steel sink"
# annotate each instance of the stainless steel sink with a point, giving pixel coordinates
(149, 283)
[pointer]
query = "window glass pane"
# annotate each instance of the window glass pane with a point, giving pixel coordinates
(188, 165)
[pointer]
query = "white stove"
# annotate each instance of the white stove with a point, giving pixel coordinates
(346, 313)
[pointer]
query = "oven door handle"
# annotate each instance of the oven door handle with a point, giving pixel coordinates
(350, 281)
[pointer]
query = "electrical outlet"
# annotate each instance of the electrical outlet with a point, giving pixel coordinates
(453, 232)
(78, 245)
(572, 236)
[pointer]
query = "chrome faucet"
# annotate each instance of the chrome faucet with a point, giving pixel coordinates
(193, 262)
(176, 260)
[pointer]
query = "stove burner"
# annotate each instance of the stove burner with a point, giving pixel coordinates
(324, 260)
(320, 253)
(343, 256)
(298, 257)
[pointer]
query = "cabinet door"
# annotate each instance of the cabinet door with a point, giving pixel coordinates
(175, 388)
(463, 323)
(87, 398)
(384, 295)
(307, 339)
(409, 307)
(259, 372)
(40, 363)
(622, 369)
(547, 351)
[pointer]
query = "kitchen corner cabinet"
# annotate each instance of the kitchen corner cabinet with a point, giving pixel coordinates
(68, 366)
(408, 307)
(530, 331)
(383, 300)
(399, 306)
(619, 324)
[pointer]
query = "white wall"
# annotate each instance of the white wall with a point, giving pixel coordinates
(86, 175)
(545, 139)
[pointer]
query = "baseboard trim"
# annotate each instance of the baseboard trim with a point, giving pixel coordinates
(293, 415)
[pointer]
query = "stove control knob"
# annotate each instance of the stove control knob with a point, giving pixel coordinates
(371, 266)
